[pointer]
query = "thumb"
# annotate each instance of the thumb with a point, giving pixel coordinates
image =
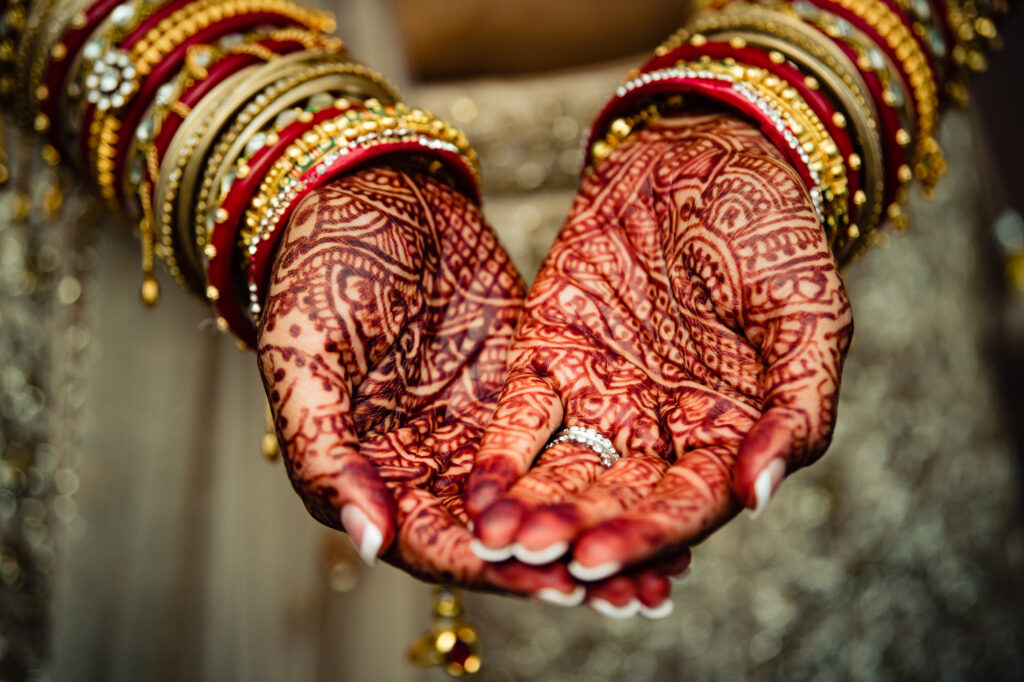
(805, 349)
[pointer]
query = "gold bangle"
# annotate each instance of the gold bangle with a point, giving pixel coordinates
(160, 41)
(168, 182)
(929, 163)
(188, 20)
(870, 158)
(367, 84)
(220, 165)
(202, 140)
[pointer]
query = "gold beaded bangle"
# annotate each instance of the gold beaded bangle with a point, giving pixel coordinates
(253, 87)
(869, 162)
(815, 52)
(37, 19)
(157, 43)
(167, 98)
(366, 83)
(740, 16)
(354, 129)
(327, 86)
(176, 28)
(168, 182)
(929, 163)
(63, 15)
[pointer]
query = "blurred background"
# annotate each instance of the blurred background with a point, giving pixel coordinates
(143, 536)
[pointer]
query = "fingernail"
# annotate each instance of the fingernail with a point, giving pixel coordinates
(682, 577)
(589, 574)
(494, 555)
(766, 484)
(609, 609)
(662, 610)
(541, 556)
(470, 526)
(550, 595)
(366, 536)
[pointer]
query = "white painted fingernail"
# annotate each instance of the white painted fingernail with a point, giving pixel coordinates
(682, 577)
(609, 609)
(589, 574)
(662, 610)
(550, 595)
(366, 536)
(766, 484)
(541, 556)
(489, 553)
(470, 526)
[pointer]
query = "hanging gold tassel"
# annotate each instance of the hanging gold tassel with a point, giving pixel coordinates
(150, 290)
(450, 642)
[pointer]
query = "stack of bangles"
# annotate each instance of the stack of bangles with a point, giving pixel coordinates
(206, 122)
(848, 90)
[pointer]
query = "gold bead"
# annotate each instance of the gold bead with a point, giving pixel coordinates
(902, 137)
(776, 57)
(50, 155)
(698, 40)
(859, 197)
(839, 120)
(222, 215)
(241, 345)
(620, 128)
(58, 52)
(811, 82)
(854, 161)
(210, 251)
(42, 92)
(904, 173)
(269, 446)
(150, 291)
(222, 325)
(737, 43)
(41, 124)
(212, 293)
(853, 231)
(600, 150)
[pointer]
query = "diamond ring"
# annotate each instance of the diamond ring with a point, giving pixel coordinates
(590, 438)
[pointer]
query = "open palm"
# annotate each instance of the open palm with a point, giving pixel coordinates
(690, 311)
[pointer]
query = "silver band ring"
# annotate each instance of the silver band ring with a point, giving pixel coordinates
(590, 438)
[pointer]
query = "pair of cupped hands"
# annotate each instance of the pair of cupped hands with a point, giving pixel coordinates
(690, 311)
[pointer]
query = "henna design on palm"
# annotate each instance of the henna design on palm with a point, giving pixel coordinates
(691, 311)
(383, 348)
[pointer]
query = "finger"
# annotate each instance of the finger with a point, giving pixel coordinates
(556, 525)
(312, 414)
(528, 410)
(433, 545)
(804, 346)
(692, 499)
(615, 597)
(562, 470)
